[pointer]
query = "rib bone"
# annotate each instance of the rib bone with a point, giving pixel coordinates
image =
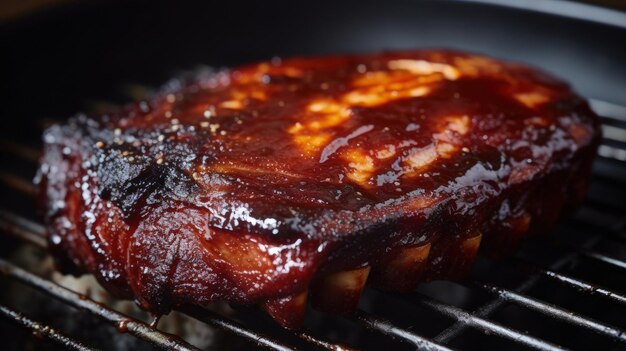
(340, 292)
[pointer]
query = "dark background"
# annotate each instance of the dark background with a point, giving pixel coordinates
(58, 61)
(80, 55)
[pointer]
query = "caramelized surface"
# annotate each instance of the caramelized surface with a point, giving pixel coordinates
(250, 184)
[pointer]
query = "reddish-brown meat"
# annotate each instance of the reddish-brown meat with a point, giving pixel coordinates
(302, 179)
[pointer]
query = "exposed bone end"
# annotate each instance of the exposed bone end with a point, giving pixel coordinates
(468, 250)
(454, 259)
(470, 246)
(287, 311)
(402, 270)
(506, 237)
(339, 293)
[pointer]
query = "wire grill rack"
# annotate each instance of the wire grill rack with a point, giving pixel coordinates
(583, 264)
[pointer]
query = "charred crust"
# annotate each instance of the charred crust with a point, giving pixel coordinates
(257, 184)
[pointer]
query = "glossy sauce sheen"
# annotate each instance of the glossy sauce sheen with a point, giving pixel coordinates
(268, 181)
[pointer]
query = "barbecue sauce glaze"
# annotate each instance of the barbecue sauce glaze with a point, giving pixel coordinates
(304, 178)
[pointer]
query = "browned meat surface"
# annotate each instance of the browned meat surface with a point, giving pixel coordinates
(303, 179)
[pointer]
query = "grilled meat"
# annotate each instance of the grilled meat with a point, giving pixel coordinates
(303, 179)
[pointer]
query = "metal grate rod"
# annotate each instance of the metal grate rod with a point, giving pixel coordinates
(323, 344)
(493, 305)
(16, 220)
(612, 153)
(486, 325)
(215, 320)
(583, 286)
(43, 331)
(18, 227)
(127, 323)
(608, 109)
(555, 312)
(614, 133)
(389, 329)
(606, 259)
(17, 183)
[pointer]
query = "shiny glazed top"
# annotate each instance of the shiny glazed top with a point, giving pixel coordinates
(326, 147)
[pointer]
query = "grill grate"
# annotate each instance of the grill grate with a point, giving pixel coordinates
(600, 220)
(43, 331)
